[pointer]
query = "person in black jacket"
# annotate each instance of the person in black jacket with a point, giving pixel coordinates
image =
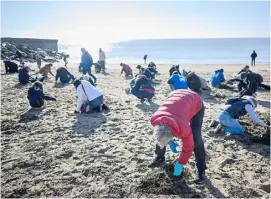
(251, 84)
(24, 76)
(64, 75)
(253, 57)
(141, 88)
(36, 97)
(10, 66)
(173, 69)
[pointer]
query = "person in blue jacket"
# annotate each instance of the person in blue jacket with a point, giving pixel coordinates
(177, 81)
(36, 97)
(24, 76)
(217, 78)
(86, 63)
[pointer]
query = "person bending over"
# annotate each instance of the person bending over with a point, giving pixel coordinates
(45, 70)
(89, 98)
(126, 69)
(181, 116)
(227, 119)
(10, 66)
(173, 69)
(64, 75)
(36, 97)
(24, 76)
(177, 81)
(218, 78)
(141, 88)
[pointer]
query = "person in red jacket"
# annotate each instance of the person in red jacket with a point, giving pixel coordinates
(126, 69)
(180, 116)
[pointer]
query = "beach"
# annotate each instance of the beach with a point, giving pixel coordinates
(55, 153)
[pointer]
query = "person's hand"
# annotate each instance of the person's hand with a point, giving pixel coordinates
(54, 99)
(178, 169)
(173, 146)
(76, 112)
(268, 123)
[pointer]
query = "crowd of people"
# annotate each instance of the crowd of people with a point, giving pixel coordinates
(168, 121)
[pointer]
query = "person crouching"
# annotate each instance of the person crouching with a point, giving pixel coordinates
(142, 88)
(181, 116)
(126, 69)
(36, 96)
(177, 81)
(89, 96)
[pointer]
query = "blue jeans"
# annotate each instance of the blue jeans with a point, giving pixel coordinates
(230, 125)
(142, 94)
(96, 102)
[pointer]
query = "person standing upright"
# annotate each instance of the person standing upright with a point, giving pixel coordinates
(38, 59)
(145, 58)
(86, 63)
(253, 57)
(102, 59)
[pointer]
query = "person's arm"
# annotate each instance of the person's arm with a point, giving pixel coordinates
(187, 148)
(137, 84)
(80, 100)
(57, 76)
(222, 77)
(122, 70)
(254, 116)
(51, 73)
(170, 81)
(47, 97)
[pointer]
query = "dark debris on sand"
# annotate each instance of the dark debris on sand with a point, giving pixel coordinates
(162, 182)
(257, 133)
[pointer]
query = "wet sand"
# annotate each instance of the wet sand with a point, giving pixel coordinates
(53, 153)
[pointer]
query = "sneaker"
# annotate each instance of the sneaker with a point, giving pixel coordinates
(142, 100)
(200, 179)
(157, 161)
(219, 129)
(214, 124)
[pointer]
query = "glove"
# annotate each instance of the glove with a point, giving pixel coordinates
(178, 168)
(76, 112)
(172, 146)
(268, 123)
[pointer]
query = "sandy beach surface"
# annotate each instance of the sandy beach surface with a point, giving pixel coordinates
(54, 153)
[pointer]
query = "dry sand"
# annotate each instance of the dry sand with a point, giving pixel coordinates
(52, 153)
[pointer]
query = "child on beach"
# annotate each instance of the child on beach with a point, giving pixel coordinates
(36, 96)
(217, 78)
(24, 76)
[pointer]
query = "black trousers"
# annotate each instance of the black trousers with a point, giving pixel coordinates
(199, 150)
(253, 62)
(88, 70)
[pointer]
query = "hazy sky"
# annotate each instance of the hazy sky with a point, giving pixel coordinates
(103, 22)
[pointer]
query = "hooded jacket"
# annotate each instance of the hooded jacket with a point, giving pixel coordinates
(23, 76)
(86, 60)
(177, 112)
(36, 97)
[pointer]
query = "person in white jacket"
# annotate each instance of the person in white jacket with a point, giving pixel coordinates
(102, 59)
(89, 95)
(233, 110)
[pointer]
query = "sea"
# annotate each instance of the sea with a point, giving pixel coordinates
(178, 51)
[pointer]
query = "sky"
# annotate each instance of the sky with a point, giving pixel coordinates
(102, 22)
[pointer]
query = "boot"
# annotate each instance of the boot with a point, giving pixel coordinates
(157, 161)
(200, 178)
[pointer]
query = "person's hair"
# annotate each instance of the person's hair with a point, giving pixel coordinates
(83, 49)
(50, 64)
(121, 64)
(221, 70)
(76, 83)
(162, 135)
(138, 66)
(246, 67)
(38, 84)
(177, 67)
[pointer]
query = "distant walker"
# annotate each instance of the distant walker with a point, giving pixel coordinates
(253, 57)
